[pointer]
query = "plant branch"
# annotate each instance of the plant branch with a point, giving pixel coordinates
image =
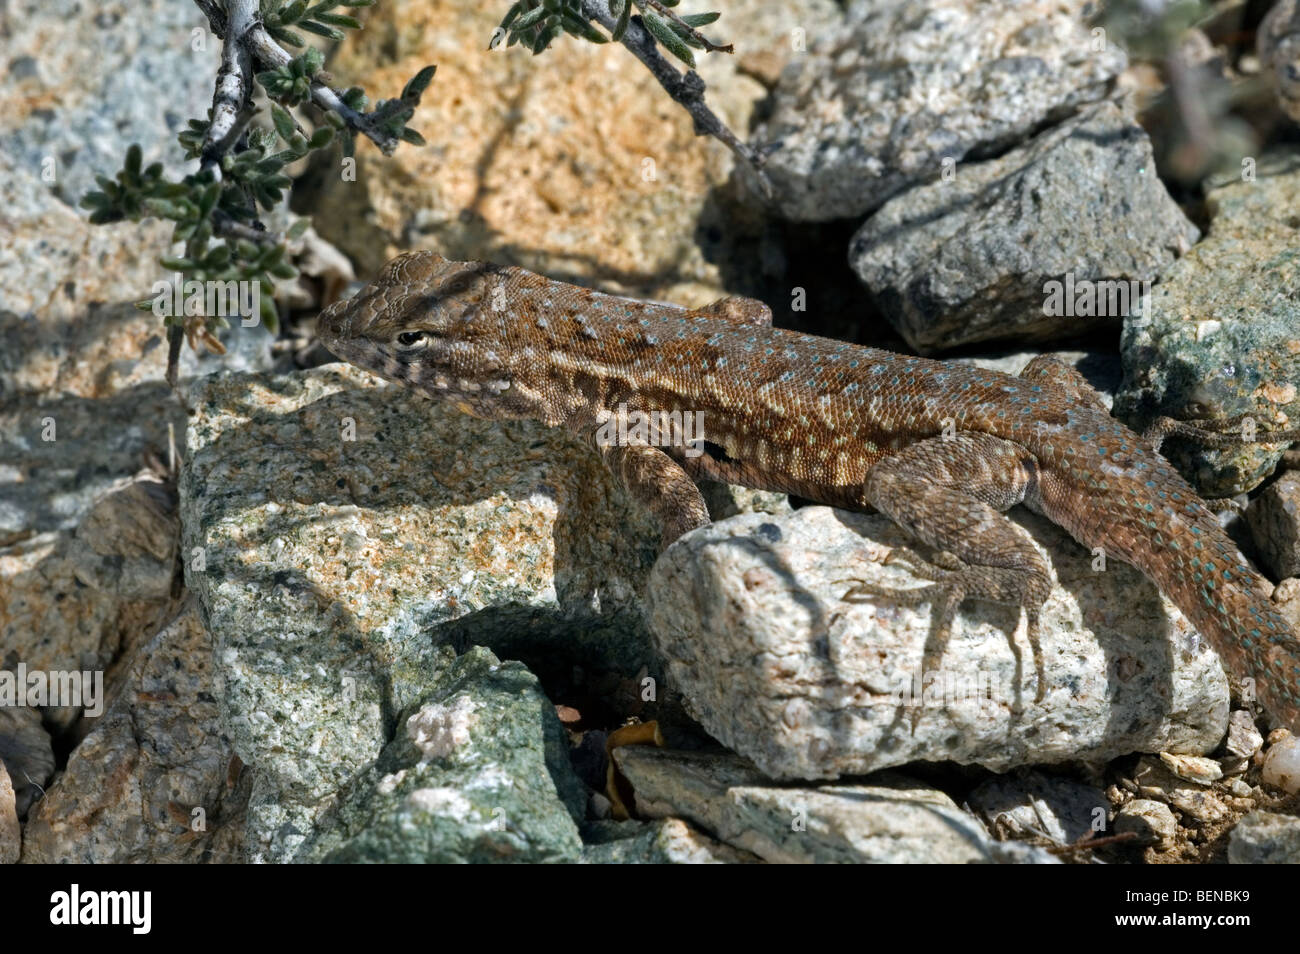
(686, 89)
(700, 38)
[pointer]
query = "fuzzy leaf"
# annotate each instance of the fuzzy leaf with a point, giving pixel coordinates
(665, 34)
(282, 120)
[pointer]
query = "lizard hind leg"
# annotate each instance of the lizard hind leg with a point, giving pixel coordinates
(949, 494)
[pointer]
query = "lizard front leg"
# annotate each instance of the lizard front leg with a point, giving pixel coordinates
(660, 484)
(948, 493)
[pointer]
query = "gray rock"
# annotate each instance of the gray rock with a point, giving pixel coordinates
(477, 772)
(1220, 338)
(1265, 838)
(889, 820)
(879, 103)
(117, 74)
(1274, 520)
(1031, 805)
(777, 666)
(1053, 239)
(334, 569)
(1153, 822)
(155, 780)
(666, 841)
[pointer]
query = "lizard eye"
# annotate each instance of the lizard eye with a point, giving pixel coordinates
(409, 339)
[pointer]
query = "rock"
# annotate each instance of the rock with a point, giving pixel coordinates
(1244, 740)
(1278, 41)
(667, 841)
(890, 820)
(1193, 800)
(575, 164)
(1281, 767)
(1274, 520)
(774, 664)
(1150, 820)
(155, 780)
(477, 772)
(1265, 838)
(1056, 238)
(334, 568)
(1031, 805)
(1193, 768)
(1220, 339)
(11, 834)
(27, 754)
(70, 108)
(127, 542)
(881, 102)
(81, 600)
(727, 500)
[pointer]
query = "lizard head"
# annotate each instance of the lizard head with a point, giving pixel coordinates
(427, 323)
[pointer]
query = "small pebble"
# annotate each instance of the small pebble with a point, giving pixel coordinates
(1244, 740)
(1152, 821)
(1281, 767)
(1193, 768)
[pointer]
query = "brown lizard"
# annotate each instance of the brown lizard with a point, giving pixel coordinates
(941, 449)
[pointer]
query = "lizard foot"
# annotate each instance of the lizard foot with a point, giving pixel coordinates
(1216, 432)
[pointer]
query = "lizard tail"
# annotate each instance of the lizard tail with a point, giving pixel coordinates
(1201, 570)
(1225, 600)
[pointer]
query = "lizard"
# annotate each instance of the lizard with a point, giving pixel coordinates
(941, 449)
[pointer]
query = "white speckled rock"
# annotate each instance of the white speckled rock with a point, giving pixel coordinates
(888, 820)
(878, 104)
(774, 664)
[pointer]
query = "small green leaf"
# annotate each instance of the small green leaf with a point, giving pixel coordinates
(282, 120)
(320, 138)
(624, 18)
(311, 26)
(339, 20)
(665, 34)
(419, 83)
(296, 230)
